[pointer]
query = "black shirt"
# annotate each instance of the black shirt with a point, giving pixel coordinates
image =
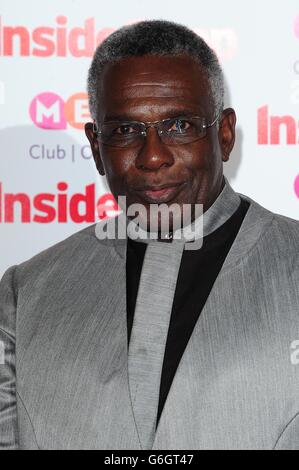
(197, 274)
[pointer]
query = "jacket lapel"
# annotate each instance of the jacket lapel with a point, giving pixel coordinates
(120, 427)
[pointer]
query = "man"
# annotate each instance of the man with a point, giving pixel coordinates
(140, 342)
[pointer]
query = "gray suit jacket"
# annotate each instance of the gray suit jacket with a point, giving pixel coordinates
(64, 381)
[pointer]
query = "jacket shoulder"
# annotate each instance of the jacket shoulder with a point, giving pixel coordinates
(65, 257)
(280, 231)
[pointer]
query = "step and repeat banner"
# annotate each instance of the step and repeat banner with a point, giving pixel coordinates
(49, 187)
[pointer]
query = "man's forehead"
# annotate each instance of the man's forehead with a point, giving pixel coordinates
(156, 72)
(153, 80)
(146, 89)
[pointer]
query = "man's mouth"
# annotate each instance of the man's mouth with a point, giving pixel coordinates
(159, 194)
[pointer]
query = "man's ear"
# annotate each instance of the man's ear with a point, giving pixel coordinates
(94, 144)
(226, 132)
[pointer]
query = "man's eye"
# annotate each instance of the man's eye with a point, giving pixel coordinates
(180, 125)
(124, 130)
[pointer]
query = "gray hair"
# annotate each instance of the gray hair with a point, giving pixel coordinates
(156, 37)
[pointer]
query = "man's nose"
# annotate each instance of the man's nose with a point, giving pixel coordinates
(154, 154)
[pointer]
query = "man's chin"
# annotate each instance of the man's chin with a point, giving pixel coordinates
(160, 219)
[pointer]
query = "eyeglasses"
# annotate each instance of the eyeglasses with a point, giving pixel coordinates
(173, 131)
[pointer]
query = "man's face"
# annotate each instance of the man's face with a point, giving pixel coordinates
(152, 88)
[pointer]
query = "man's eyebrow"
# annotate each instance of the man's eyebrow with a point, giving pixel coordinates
(170, 113)
(117, 117)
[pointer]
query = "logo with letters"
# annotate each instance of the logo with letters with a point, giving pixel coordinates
(49, 111)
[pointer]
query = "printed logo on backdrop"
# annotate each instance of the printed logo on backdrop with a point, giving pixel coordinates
(49, 111)
(281, 129)
(62, 40)
(60, 206)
